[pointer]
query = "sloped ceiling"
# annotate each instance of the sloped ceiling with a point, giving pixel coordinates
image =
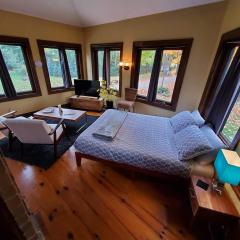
(94, 12)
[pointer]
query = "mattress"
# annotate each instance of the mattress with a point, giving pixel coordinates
(143, 141)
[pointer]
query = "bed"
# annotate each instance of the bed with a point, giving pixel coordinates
(143, 142)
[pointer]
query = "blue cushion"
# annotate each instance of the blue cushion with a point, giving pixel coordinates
(212, 137)
(191, 142)
(182, 120)
(198, 118)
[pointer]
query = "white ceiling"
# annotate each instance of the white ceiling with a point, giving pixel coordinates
(93, 12)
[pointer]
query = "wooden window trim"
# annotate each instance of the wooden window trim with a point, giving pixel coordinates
(212, 80)
(10, 92)
(226, 42)
(61, 46)
(181, 44)
(94, 60)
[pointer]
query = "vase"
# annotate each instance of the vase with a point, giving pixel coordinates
(109, 104)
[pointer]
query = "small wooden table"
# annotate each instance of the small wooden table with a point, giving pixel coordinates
(68, 115)
(209, 206)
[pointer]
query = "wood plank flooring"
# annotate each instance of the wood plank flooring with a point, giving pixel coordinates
(99, 202)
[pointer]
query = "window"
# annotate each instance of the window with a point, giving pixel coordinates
(105, 64)
(158, 71)
(18, 77)
(62, 63)
(232, 124)
(2, 93)
(220, 104)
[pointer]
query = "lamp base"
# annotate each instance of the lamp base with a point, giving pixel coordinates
(217, 186)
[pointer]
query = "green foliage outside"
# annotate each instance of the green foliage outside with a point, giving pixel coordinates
(147, 59)
(164, 91)
(54, 65)
(1, 88)
(233, 122)
(71, 58)
(114, 63)
(15, 63)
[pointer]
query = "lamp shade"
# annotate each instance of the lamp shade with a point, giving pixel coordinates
(227, 166)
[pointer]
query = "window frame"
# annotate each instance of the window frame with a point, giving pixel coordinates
(61, 47)
(228, 40)
(10, 92)
(236, 138)
(118, 46)
(160, 46)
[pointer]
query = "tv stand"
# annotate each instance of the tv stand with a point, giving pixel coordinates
(87, 103)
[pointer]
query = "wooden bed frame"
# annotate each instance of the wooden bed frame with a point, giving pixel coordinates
(131, 169)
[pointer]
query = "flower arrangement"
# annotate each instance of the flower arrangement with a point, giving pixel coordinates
(108, 94)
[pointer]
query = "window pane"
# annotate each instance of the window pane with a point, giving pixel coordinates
(146, 65)
(14, 60)
(1, 88)
(72, 63)
(54, 67)
(233, 122)
(168, 74)
(114, 69)
(100, 65)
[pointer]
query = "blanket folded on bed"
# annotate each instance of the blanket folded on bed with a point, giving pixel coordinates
(110, 126)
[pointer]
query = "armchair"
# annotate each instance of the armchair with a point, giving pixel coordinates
(3, 129)
(35, 131)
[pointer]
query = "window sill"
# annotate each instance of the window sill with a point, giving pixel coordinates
(19, 97)
(60, 90)
(157, 104)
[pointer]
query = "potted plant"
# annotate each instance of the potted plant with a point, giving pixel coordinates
(108, 94)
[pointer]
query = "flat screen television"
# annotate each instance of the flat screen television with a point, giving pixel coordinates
(87, 87)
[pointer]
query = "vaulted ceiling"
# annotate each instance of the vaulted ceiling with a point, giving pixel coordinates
(93, 12)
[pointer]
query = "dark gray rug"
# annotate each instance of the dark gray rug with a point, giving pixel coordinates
(43, 155)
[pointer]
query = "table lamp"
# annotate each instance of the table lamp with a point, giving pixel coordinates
(227, 167)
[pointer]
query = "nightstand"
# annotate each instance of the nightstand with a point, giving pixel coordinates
(211, 207)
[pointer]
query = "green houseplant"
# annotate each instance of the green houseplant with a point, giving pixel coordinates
(108, 94)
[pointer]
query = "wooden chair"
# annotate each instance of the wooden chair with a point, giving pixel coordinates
(130, 97)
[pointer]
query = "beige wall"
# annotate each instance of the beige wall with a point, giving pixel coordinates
(34, 28)
(201, 23)
(232, 17)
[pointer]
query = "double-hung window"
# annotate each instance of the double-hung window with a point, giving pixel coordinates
(62, 63)
(220, 104)
(105, 64)
(18, 78)
(158, 71)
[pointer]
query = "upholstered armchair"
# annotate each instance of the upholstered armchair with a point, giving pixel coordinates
(3, 129)
(35, 131)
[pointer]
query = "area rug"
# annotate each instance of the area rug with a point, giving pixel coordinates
(43, 155)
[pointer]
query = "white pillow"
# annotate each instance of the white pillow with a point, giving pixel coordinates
(198, 118)
(182, 120)
(191, 142)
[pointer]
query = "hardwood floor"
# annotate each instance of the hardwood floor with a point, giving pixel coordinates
(99, 202)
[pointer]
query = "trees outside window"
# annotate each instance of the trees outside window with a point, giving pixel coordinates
(62, 63)
(18, 78)
(158, 71)
(220, 103)
(105, 64)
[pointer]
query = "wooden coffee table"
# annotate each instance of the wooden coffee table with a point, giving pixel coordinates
(68, 115)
